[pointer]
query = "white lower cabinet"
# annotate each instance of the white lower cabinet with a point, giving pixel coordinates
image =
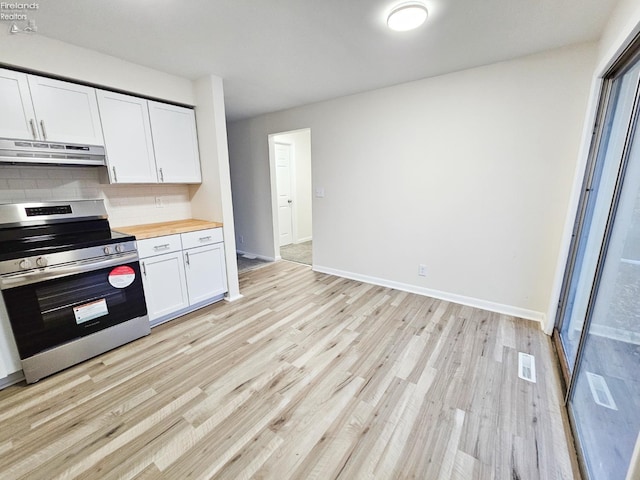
(165, 288)
(182, 271)
(205, 271)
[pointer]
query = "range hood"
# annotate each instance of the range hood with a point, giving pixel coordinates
(35, 152)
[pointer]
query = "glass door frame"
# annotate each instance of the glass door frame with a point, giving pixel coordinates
(630, 55)
(576, 234)
(620, 66)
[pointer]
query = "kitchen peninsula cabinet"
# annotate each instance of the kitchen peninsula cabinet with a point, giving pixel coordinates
(182, 269)
(40, 108)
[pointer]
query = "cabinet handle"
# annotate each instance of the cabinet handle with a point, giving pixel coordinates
(161, 247)
(204, 239)
(144, 269)
(34, 132)
(161, 175)
(115, 176)
(186, 254)
(44, 130)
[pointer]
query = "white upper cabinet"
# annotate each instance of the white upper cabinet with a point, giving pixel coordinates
(127, 138)
(175, 143)
(146, 141)
(45, 109)
(66, 112)
(17, 118)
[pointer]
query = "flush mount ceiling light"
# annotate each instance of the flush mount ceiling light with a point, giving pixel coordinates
(407, 16)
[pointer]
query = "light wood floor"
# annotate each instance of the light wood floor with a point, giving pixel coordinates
(308, 376)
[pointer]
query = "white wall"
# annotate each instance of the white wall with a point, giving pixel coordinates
(251, 187)
(300, 142)
(46, 55)
(623, 25)
(468, 173)
(211, 200)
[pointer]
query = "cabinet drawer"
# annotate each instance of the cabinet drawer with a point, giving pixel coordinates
(201, 237)
(159, 245)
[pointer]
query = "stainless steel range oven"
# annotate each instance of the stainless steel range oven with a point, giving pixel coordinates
(70, 286)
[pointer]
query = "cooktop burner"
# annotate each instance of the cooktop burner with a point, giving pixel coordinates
(53, 244)
(28, 230)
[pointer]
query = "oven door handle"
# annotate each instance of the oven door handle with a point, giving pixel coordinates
(19, 279)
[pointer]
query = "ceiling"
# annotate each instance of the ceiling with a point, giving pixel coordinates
(277, 54)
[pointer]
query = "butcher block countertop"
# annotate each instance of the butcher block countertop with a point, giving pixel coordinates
(152, 230)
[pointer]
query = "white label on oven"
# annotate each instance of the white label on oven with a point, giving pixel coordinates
(89, 311)
(122, 276)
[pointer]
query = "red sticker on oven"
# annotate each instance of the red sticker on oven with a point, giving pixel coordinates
(122, 277)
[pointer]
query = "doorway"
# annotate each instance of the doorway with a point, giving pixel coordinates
(290, 158)
(598, 324)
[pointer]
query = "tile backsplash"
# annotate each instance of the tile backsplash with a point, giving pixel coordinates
(126, 204)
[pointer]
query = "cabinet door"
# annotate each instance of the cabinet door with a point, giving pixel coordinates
(127, 138)
(175, 143)
(66, 112)
(17, 118)
(164, 284)
(206, 272)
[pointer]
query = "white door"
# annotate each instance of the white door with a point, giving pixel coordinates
(127, 137)
(206, 272)
(66, 112)
(175, 143)
(165, 288)
(285, 199)
(17, 118)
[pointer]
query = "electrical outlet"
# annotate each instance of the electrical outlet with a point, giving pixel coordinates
(241, 238)
(422, 270)
(159, 203)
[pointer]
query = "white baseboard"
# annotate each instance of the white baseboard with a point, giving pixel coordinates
(234, 298)
(303, 239)
(449, 297)
(191, 308)
(260, 257)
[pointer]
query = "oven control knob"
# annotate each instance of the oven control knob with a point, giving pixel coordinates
(107, 250)
(25, 264)
(119, 248)
(41, 262)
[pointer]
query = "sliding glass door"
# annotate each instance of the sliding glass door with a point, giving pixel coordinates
(599, 317)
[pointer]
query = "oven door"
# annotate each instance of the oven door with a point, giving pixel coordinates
(51, 306)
